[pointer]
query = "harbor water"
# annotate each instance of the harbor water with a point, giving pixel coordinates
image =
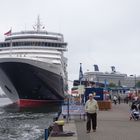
(25, 123)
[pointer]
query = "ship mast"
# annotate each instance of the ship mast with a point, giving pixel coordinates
(38, 25)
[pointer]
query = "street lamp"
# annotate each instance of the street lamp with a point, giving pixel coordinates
(134, 81)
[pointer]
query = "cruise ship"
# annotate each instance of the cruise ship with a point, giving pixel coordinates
(102, 79)
(33, 68)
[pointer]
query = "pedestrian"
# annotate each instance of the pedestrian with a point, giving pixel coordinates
(119, 99)
(91, 108)
(115, 100)
(127, 99)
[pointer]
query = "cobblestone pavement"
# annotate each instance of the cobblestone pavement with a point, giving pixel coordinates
(113, 124)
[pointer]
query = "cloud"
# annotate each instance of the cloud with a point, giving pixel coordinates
(103, 32)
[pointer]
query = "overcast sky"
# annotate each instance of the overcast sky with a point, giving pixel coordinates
(102, 32)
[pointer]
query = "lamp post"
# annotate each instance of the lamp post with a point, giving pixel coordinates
(80, 80)
(134, 81)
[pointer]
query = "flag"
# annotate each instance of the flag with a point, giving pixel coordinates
(8, 33)
(80, 73)
(96, 68)
(74, 90)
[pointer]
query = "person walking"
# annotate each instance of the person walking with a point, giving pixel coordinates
(91, 108)
(119, 99)
(115, 99)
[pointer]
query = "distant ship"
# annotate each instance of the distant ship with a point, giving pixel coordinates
(33, 68)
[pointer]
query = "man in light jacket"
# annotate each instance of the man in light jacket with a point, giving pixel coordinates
(91, 108)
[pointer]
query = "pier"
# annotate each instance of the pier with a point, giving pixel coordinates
(113, 124)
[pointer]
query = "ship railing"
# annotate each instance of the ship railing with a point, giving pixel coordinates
(37, 32)
(34, 47)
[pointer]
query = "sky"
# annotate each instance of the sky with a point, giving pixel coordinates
(102, 32)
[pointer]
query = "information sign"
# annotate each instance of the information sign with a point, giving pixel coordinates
(73, 109)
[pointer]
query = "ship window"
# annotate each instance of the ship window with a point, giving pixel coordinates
(52, 44)
(36, 43)
(59, 45)
(33, 43)
(43, 43)
(30, 43)
(19, 44)
(14, 44)
(22, 44)
(7, 44)
(25, 43)
(1, 45)
(34, 37)
(49, 44)
(55, 44)
(46, 44)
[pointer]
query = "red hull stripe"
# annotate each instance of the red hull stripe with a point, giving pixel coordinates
(34, 103)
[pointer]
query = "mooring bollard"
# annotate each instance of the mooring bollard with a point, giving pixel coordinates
(58, 126)
(46, 134)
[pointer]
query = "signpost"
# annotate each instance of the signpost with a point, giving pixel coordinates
(73, 110)
(99, 93)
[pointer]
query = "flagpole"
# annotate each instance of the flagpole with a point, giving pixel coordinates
(80, 92)
(11, 43)
(80, 78)
(10, 46)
